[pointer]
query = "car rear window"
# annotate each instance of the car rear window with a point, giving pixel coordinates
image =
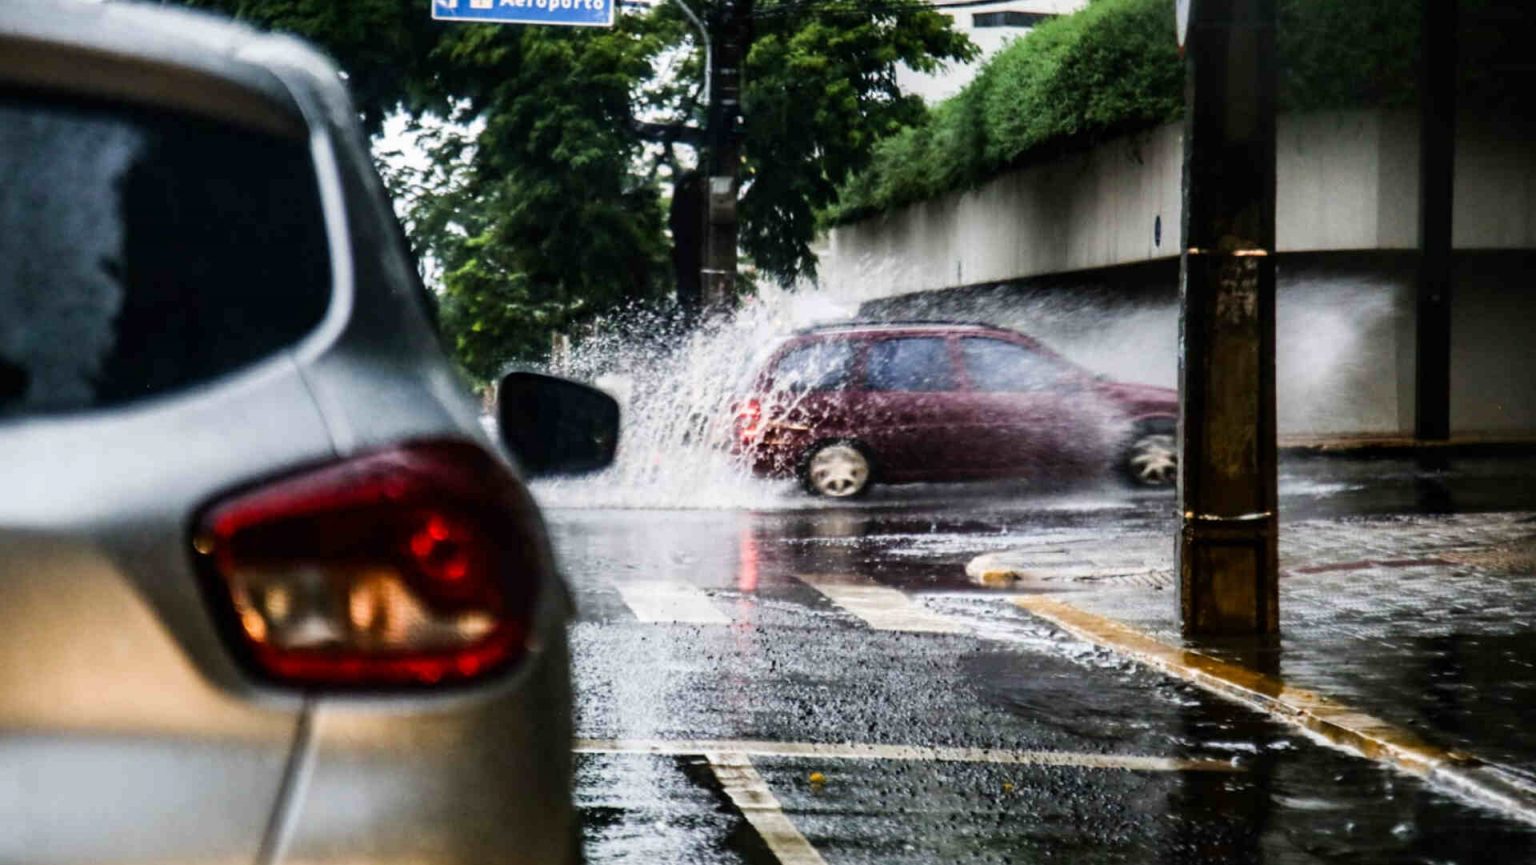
(918, 363)
(143, 252)
(824, 365)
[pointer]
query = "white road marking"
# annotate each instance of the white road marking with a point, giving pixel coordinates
(669, 602)
(751, 796)
(915, 753)
(882, 608)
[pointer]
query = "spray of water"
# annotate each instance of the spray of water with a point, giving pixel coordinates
(680, 388)
(677, 387)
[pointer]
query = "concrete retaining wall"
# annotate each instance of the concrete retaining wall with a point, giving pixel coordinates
(1082, 251)
(1345, 181)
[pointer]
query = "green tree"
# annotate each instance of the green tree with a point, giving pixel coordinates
(1112, 68)
(820, 89)
(551, 212)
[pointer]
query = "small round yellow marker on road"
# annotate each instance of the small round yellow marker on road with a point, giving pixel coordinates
(1007, 786)
(817, 779)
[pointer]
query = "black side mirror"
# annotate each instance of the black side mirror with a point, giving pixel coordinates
(555, 426)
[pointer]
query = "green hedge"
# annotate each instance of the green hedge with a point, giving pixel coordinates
(1113, 68)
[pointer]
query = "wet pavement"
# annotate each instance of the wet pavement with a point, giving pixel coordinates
(731, 665)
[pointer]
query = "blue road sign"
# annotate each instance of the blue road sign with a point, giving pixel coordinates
(570, 13)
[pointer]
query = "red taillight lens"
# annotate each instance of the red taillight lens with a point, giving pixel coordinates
(416, 565)
(749, 416)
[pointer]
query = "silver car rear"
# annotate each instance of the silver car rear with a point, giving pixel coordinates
(202, 291)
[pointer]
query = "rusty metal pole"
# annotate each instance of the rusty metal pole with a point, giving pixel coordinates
(1228, 566)
(1437, 157)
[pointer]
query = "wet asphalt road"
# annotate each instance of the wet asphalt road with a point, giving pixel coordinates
(729, 639)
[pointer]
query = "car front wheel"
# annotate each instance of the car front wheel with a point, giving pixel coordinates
(837, 470)
(1152, 460)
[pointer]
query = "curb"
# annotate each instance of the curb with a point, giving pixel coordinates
(1404, 447)
(1334, 722)
(1001, 570)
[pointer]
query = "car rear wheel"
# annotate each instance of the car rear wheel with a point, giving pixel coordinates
(837, 470)
(1152, 460)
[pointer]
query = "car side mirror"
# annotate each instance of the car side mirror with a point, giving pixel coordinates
(555, 426)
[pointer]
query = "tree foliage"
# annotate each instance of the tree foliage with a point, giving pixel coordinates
(1071, 81)
(543, 206)
(1113, 67)
(820, 90)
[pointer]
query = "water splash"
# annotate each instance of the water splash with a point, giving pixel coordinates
(677, 387)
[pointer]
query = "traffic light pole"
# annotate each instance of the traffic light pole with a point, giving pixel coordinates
(733, 36)
(1227, 560)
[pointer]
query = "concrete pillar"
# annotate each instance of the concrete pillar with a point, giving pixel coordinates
(1227, 558)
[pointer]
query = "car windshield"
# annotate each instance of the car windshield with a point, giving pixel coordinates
(141, 252)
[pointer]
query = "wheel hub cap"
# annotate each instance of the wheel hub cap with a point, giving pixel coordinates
(838, 470)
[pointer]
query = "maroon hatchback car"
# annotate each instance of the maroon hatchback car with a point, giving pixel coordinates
(845, 406)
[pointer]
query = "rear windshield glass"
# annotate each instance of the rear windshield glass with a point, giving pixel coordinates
(818, 366)
(143, 252)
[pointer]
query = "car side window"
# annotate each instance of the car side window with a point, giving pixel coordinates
(914, 363)
(824, 365)
(996, 366)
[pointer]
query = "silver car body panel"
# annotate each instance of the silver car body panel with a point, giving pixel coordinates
(127, 730)
(109, 661)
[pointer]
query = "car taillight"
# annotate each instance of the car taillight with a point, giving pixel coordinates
(412, 566)
(749, 415)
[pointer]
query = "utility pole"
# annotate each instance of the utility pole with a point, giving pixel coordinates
(1227, 560)
(1437, 157)
(732, 39)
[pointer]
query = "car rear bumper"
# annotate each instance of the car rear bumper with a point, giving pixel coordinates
(472, 780)
(772, 456)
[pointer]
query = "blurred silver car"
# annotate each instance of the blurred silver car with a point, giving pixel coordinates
(268, 592)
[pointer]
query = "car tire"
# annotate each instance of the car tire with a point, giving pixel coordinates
(837, 470)
(1151, 459)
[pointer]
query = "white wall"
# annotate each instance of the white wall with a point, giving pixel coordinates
(1345, 181)
(1094, 209)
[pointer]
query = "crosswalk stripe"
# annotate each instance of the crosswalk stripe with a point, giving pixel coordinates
(750, 794)
(881, 607)
(663, 601)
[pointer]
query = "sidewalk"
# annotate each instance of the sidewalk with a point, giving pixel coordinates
(1424, 622)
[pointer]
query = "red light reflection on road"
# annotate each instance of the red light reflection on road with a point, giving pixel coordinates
(746, 565)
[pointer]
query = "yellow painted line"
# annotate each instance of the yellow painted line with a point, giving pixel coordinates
(881, 607)
(1334, 722)
(914, 753)
(750, 794)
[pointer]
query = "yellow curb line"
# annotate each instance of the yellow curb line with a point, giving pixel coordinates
(1330, 720)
